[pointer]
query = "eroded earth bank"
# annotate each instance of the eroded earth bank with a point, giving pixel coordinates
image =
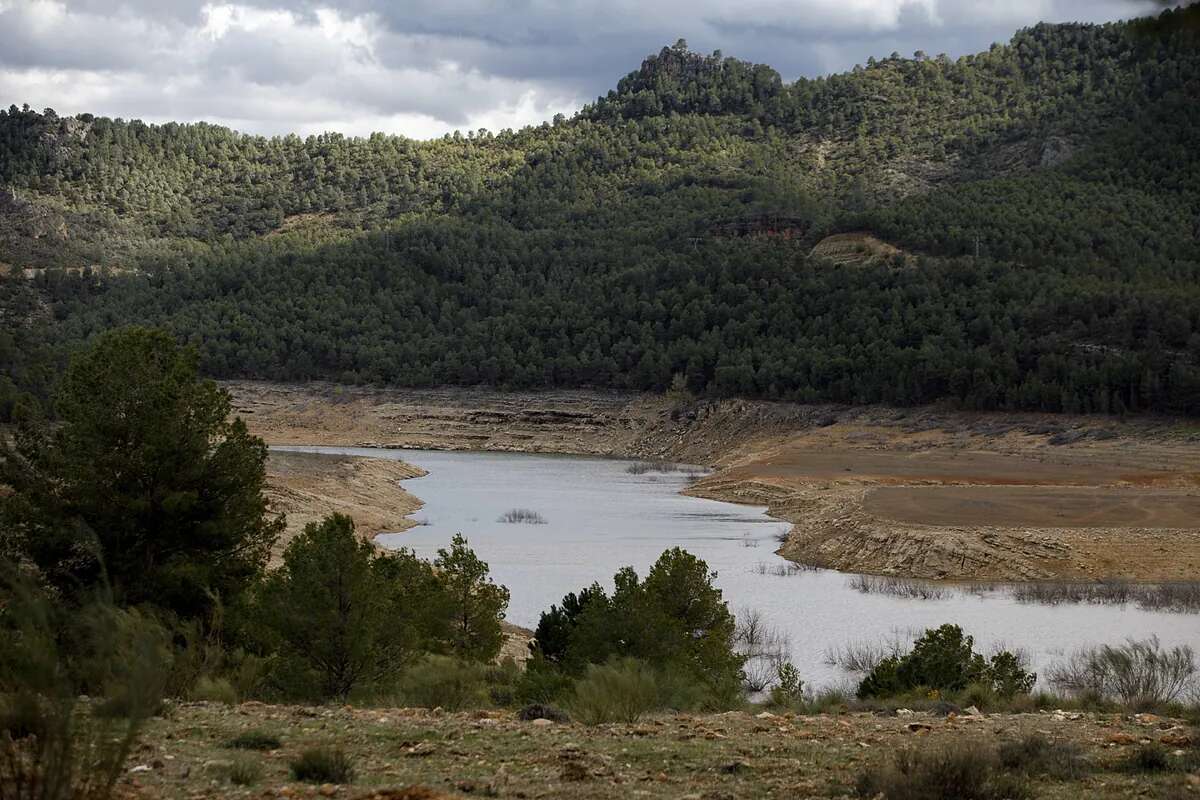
(922, 493)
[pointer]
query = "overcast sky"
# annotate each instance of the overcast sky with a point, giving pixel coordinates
(424, 67)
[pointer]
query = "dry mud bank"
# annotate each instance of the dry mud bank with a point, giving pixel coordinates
(921, 493)
(308, 486)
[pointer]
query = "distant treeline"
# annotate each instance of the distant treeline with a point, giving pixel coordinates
(1044, 194)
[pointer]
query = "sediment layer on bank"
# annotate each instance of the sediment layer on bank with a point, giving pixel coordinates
(850, 479)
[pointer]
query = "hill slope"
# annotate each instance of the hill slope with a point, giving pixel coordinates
(1043, 198)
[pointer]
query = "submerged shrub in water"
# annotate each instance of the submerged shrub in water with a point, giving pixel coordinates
(1139, 672)
(522, 516)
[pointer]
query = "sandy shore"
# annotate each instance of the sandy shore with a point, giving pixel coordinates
(308, 486)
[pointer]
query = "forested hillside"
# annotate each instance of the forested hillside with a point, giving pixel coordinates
(1037, 206)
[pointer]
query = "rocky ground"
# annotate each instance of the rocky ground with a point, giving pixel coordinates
(418, 753)
(1015, 477)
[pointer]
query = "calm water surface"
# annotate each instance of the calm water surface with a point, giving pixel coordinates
(600, 518)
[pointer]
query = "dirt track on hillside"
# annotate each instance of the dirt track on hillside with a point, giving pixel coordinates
(921, 493)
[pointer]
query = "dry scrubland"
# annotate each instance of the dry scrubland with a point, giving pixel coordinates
(712, 757)
(921, 493)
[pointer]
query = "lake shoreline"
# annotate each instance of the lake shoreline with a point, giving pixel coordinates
(597, 516)
(818, 467)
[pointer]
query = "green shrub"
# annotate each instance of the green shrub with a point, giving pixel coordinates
(964, 771)
(22, 715)
(444, 682)
(254, 740)
(788, 691)
(502, 680)
(56, 745)
(680, 691)
(675, 618)
(944, 659)
(323, 765)
(1139, 674)
(620, 691)
(1007, 675)
(980, 695)
(1150, 757)
(245, 772)
(1034, 754)
(828, 701)
(214, 690)
(542, 682)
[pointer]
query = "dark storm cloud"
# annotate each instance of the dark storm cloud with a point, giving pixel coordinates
(422, 67)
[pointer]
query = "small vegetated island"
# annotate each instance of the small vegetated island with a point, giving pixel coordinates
(1013, 230)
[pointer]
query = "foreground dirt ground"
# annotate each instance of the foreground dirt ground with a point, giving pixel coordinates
(713, 757)
(923, 493)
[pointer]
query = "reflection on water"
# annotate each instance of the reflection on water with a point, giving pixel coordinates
(599, 517)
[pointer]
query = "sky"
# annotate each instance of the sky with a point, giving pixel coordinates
(422, 68)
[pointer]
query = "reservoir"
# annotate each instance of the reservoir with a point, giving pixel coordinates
(599, 516)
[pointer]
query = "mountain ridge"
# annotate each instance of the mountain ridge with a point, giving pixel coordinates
(1040, 195)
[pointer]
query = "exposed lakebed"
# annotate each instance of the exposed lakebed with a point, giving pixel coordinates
(597, 517)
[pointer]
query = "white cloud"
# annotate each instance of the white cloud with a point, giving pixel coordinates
(426, 67)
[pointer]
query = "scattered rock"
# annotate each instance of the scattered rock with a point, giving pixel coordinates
(905, 712)
(918, 727)
(542, 722)
(1176, 739)
(407, 793)
(735, 767)
(942, 708)
(140, 768)
(420, 750)
(536, 711)
(1120, 737)
(327, 790)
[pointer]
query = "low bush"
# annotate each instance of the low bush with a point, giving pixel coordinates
(943, 659)
(442, 681)
(214, 690)
(54, 744)
(502, 680)
(245, 772)
(1149, 757)
(788, 691)
(1034, 755)
(323, 765)
(1139, 674)
(619, 691)
(963, 771)
(254, 740)
(542, 682)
